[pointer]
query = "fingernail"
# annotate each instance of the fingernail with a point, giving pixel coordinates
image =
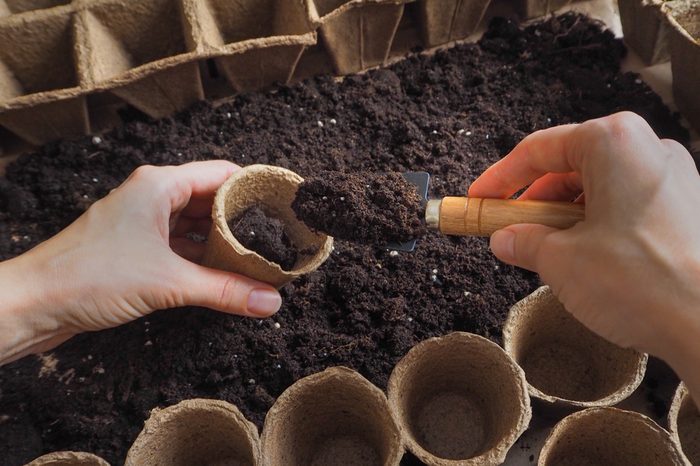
(264, 303)
(503, 245)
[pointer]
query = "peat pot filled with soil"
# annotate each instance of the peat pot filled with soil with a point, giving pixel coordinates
(255, 231)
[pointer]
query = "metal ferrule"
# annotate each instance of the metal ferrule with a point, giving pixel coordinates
(432, 213)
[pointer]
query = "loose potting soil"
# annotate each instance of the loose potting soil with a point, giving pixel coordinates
(367, 208)
(265, 235)
(451, 114)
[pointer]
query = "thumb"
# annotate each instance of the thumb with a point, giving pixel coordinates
(228, 292)
(520, 245)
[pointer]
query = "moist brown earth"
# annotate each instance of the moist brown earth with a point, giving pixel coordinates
(264, 235)
(366, 208)
(365, 307)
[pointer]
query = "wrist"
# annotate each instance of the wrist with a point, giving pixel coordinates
(27, 324)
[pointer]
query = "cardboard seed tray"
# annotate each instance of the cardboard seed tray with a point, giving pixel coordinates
(148, 53)
(644, 29)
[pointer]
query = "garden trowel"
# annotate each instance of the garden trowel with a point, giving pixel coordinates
(470, 216)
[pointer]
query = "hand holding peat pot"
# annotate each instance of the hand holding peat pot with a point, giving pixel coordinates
(630, 271)
(130, 254)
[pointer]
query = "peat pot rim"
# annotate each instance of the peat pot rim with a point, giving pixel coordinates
(510, 328)
(490, 350)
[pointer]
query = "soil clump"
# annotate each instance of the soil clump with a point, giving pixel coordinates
(265, 235)
(366, 208)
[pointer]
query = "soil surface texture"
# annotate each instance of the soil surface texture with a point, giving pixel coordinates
(366, 208)
(451, 114)
(264, 235)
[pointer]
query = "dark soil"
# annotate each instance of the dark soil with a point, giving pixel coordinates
(366, 208)
(365, 307)
(265, 235)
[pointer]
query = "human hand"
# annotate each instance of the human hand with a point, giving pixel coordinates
(127, 256)
(631, 271)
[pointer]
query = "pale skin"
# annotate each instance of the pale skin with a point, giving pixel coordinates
(630, 271)
(124, 258)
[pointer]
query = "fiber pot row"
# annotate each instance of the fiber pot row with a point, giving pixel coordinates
(56, 63)
(458, 399)
(658, 31)
(66, 66)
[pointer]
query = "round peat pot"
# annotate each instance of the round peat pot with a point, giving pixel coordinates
(684, 424)
(460, 400)
(69, 458)
(272, 189)
(334, 417)
(566, 365)
(196, 431)
(602, 436)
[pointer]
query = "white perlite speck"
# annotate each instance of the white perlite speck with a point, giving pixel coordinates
(251, 381)
(394, 253)
(467, 293)
(228, 115)
(252, 233)
(461, 131)
(96, 140)
(95, 180)
(342, 198)
(277, 325)
(319, 123)
(332, 121)
(435, 271)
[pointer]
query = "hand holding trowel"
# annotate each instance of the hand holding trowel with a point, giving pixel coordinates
(394, 210)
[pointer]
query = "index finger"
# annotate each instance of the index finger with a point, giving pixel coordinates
(546, 151)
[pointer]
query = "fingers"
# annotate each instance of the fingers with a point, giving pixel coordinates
(198, 207)
(188, 249)
(608, 148)
(539, 153)
(185, 225)
(179, 184)
(521, 245)
(555, 187)
(228, 292)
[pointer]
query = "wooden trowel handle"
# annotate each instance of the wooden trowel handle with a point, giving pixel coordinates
(469, 216)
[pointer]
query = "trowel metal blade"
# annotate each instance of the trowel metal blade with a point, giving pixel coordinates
(421, 180)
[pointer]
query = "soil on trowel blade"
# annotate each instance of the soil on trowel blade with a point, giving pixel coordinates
(366, 208)
(451, 114)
